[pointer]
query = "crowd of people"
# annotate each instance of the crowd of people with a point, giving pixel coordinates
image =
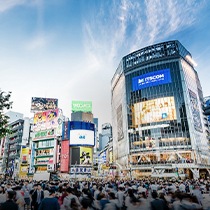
(104, 195)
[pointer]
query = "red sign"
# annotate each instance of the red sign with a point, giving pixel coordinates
(64, 156)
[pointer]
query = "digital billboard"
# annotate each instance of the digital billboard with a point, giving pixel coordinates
(155, 110)
(86, 155)
(195, 111)
(151, 79)
(81, 106)
(43, 104)
(82, 137)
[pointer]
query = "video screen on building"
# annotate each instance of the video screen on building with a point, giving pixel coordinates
(151, 79)
(155, 110)
(82, 137)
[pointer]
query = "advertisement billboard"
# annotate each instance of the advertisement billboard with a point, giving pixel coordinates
(155, 110)
(64, 167)
(50, 133)
(82, 137)
(151, 79)
(86, 155)
(43, 104)
(195, 111)
(47, 120)
(24, 158)
(81, 106)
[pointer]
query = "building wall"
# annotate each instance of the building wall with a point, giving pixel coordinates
(14, 116)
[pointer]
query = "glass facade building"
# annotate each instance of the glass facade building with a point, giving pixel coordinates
(157, 117)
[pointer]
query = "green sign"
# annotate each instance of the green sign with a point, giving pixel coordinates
(44, 134)
(81, 106)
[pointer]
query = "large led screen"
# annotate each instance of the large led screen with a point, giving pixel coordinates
(156, 110)
(82, 138)
(151, 79)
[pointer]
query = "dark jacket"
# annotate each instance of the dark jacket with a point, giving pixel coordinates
(34, 197)
(158, 204)
(9, 205)
(49, 204)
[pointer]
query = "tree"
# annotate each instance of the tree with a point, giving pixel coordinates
(5, 103)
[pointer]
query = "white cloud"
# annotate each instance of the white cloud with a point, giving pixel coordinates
(38, 42)
(8, 4)
(130, 25)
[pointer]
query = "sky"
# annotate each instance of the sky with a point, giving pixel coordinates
(70, 49)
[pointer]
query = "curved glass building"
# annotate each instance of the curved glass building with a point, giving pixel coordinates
(157, 116)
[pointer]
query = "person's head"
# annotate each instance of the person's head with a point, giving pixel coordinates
(154, 194)
(1, 190)
(8, 185)
(11, 194)
(39, 187)
(112, 195)
(26, 182)
(69, 190)
(51, 192)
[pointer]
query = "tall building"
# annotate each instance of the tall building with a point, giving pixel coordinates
(19, 137)
(158, 123)
(82, 139)
(13, 116)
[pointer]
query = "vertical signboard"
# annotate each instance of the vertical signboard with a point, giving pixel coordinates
(66, 130)
(64, 167)
(120, 133)
(24, 163)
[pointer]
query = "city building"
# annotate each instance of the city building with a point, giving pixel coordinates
(45, 147)
(157, 118)
(13, 116)
(12, 147)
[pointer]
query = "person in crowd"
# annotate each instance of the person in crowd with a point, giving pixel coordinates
(157, 204)
(37, 197)
(3, 197)
(10, 203)
(50, 203)
(67, 200)
(121, 196)
(26, 190)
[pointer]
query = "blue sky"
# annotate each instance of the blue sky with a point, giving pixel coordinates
(69, 49)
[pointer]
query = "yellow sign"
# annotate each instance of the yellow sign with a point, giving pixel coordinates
(86, 155)
(23, 171)
(111, 157)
